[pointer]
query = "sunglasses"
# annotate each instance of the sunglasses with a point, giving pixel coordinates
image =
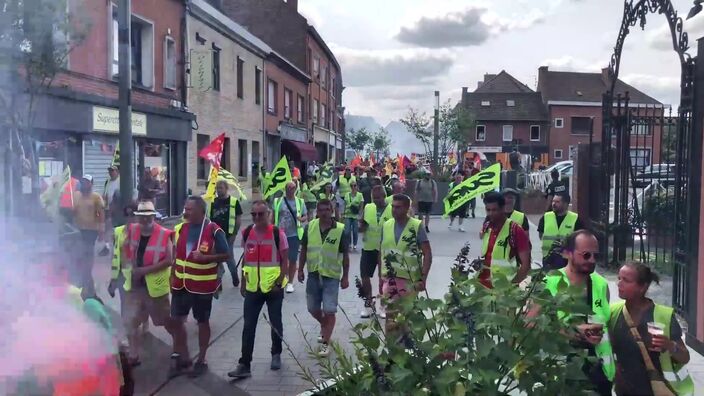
(257, 214)
(589, 255)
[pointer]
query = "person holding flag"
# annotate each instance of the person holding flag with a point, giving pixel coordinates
(277, 179)
(461, 212)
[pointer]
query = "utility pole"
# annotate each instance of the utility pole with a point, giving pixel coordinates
(124, 20)
(436, 132)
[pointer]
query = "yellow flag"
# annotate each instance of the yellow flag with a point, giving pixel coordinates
(484, 181)
(209, 195)
(278, 178)
(228, 177)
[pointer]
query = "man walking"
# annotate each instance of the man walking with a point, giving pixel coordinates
(226, 212)
(503, 241)
(582, 252)
(118, 270)
(354, 201)
(470, 170)
(263, 279)
(405, 243)
(556, 187)
(289, 215)
(148, 250)
(325, 248)
(426, 194)
(461, 212)
(200, 248)
(89, 218)
(375, 215)
(554, 227)
(518, 217)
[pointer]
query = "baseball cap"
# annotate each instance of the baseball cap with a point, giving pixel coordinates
(88, 177)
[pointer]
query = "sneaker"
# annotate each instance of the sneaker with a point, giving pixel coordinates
(199, 368)
(462, 229)
(241, 371)
(178, 366)
(354, 248)
(382, 313)
(276, 361)
(427, 229)
(235, 280)
(449, 226)
(289, 288)
(365, 314)
(320, 339)
(324, 350)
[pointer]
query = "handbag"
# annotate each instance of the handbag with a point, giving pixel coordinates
(657, 383)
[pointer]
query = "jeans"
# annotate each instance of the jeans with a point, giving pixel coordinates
(352, 225)
(85, 260)
(231, 262)
(253, 303)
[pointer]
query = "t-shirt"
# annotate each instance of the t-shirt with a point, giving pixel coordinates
(424, 190)
(143, 242)
(89, 211)
(556, 187)
(255, 237)
(221, 213)
(634, 379)
(344, 241)
(578, 225)
(221, 246)
(287, 221)
(517, 241)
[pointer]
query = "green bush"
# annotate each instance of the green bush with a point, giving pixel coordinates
(658, 213)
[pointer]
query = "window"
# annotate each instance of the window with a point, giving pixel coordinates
(225, 161)
(201, 142)
(581, 125)
(169, 63)
(288, 95)
(486, 103)
(141, 48)
(323, 117)
(315, 111)
(257, 85)
(240, 78)
(242, 157)
(507, 133)
(641, 128)
(480, 134)
(534, 133)
(324, 77)
(216, 68)
(510, 103)
(316, 67)
(571, 151)
(557, 154)
(559, 122)
(640, 158)
(300, 110)
(271, 89)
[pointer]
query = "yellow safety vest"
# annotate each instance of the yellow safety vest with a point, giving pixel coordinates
(405, 256)
(343, 184)
(358, 200)
(157, 282)
(372, 236)
(119, 240)
(232, 217)
(307, 194)
(299, 212)
(500, 255)
(324, 257)
(261, 270)
(518, 217)
(552, 234)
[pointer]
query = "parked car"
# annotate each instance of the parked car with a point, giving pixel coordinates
(561, 167)
(662, 173)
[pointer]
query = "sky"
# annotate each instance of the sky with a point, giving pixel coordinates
(396, 53)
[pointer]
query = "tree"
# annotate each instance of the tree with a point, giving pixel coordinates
(418, 125)
(453, 135)
(359, 140)
(381, 143)
(36, 38)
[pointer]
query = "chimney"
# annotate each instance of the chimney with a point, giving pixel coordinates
(479, 84)
(488, 77)
(542, 75)
(464, 94)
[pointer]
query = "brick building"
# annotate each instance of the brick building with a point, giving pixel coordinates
(509, 116)
(77, 121)
(233, 101)
(574, 106)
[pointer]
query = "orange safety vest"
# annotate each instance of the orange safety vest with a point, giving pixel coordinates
(197, 277)
(156, 252)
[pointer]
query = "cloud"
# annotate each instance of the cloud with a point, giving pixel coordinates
(572, 64)
(392, 67)
(470, 27)
(311, 14)
(664, 89)
(661, 39)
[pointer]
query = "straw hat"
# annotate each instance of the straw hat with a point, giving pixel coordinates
(145, 208)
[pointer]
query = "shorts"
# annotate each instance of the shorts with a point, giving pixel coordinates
(139, 306)
(293, 244)
(460, 212)
(402, 287)
(182, 301)
(425, 207)
(321, 290)
(368, 263)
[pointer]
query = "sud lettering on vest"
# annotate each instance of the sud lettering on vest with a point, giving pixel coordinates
(600, 308)
(372, 236)
(232, 218)
(324, 256)
(406, 257)
(280, 205)
(156, 252)
(261, 263)
(194, 275)
(501, 260)
(674, 373)
(553, 234)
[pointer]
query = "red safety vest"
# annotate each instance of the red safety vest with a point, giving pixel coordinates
(156, 252)
(196, 276)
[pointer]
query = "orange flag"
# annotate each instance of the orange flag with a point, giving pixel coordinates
(401, 169)
(356, 161)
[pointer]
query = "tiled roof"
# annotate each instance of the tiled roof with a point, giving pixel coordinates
(584, 87)
(501, 83)
(528, 106)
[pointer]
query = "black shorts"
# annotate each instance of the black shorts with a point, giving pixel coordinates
(182, 301)
(425, 207)
(460, 212)
(368, 262)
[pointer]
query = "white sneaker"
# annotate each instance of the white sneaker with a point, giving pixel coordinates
(461, 229)
(289, 288)
(382, 313)
(320, 339)
(366, 313)
(354, 248)
(324, 350)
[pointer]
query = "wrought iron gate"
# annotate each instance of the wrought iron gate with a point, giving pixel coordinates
(652, 158)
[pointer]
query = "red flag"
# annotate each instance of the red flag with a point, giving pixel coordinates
(356, 161)
(401, 168)
(406, 162)
(213, 152)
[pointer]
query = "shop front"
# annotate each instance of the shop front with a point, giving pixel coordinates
(295, 146)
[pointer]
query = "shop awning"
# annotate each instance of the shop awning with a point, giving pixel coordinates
(307, 151)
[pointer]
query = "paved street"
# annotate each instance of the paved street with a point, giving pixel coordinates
(227, 330)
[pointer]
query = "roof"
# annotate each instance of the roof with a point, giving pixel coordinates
(584, 87)
(501, 83)
(528, 106)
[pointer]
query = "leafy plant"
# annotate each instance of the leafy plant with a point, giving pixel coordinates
(474, 340)
(658, 212)
(359, 140)
(381, 143)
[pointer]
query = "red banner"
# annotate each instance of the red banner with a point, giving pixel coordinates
(213, 152)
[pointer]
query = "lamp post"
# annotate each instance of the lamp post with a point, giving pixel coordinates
(124, 20)
(436, 132)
